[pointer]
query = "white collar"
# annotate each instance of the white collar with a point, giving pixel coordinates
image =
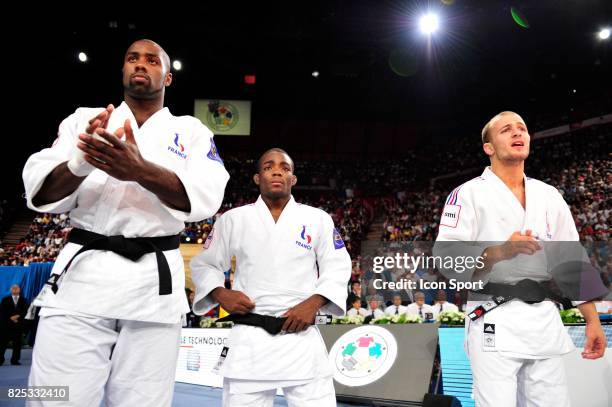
(124, 109)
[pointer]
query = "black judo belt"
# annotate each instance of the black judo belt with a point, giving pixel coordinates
(272, 325)
(132, 248)
(528, 291)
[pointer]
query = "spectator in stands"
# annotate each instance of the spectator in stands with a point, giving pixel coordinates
(355, 293)
(356, 289)
(357, 272)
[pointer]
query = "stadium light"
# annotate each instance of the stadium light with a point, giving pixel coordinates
(177, 65)
(604, 34)
(429, 23)
(82, 57)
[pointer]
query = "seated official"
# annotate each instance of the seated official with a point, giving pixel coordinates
(397, 308)
(419, 308)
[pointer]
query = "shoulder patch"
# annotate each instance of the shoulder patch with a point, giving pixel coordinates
(213, 154)
(450, 215)
(452, 198)
(338, 242)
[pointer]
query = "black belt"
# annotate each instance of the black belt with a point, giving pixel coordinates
(526, 290)
(132, 248)
(272, 325)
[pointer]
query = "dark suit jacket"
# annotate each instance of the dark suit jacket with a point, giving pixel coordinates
(8, 309)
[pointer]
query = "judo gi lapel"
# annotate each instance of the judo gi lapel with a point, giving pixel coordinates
(124, 112)
(506, 195)
(118, 117)
(264, 214)
(273, 230)
(271, 257)
(534, 207)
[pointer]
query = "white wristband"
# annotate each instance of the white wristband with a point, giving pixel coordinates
(78, 166)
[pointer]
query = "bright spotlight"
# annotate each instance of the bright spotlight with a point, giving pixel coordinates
(604, 34)
(315, 74)
(82, 57)
(177, 65)
(429, 23)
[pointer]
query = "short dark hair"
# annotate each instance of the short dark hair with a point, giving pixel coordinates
(275, 150)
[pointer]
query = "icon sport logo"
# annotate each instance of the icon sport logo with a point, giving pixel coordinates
(306, 238)
(180, 150)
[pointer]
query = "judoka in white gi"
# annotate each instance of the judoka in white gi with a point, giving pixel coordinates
(291, 262)
(107, 331)
(515, 349)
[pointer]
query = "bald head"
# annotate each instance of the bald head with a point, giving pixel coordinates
(146, 71)
(162, 52)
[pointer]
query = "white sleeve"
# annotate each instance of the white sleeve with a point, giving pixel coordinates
(458, 223)
(565, 226)
(334, 268)
(566, 231)
(204, 178)
(208, 268)
(458, 218)
(40, 165)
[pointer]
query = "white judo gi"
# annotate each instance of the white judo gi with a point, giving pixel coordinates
(107, 327)
(517, 361)
(278, 265)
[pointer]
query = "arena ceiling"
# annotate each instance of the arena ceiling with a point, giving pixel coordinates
(373, 62)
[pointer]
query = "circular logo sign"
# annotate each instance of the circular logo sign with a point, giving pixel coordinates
(222, 116)
(363, 355)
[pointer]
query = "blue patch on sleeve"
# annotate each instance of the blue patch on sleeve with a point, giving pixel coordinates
(338, 242)
(213, 154)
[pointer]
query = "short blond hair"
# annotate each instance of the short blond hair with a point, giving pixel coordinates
(487, 127)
